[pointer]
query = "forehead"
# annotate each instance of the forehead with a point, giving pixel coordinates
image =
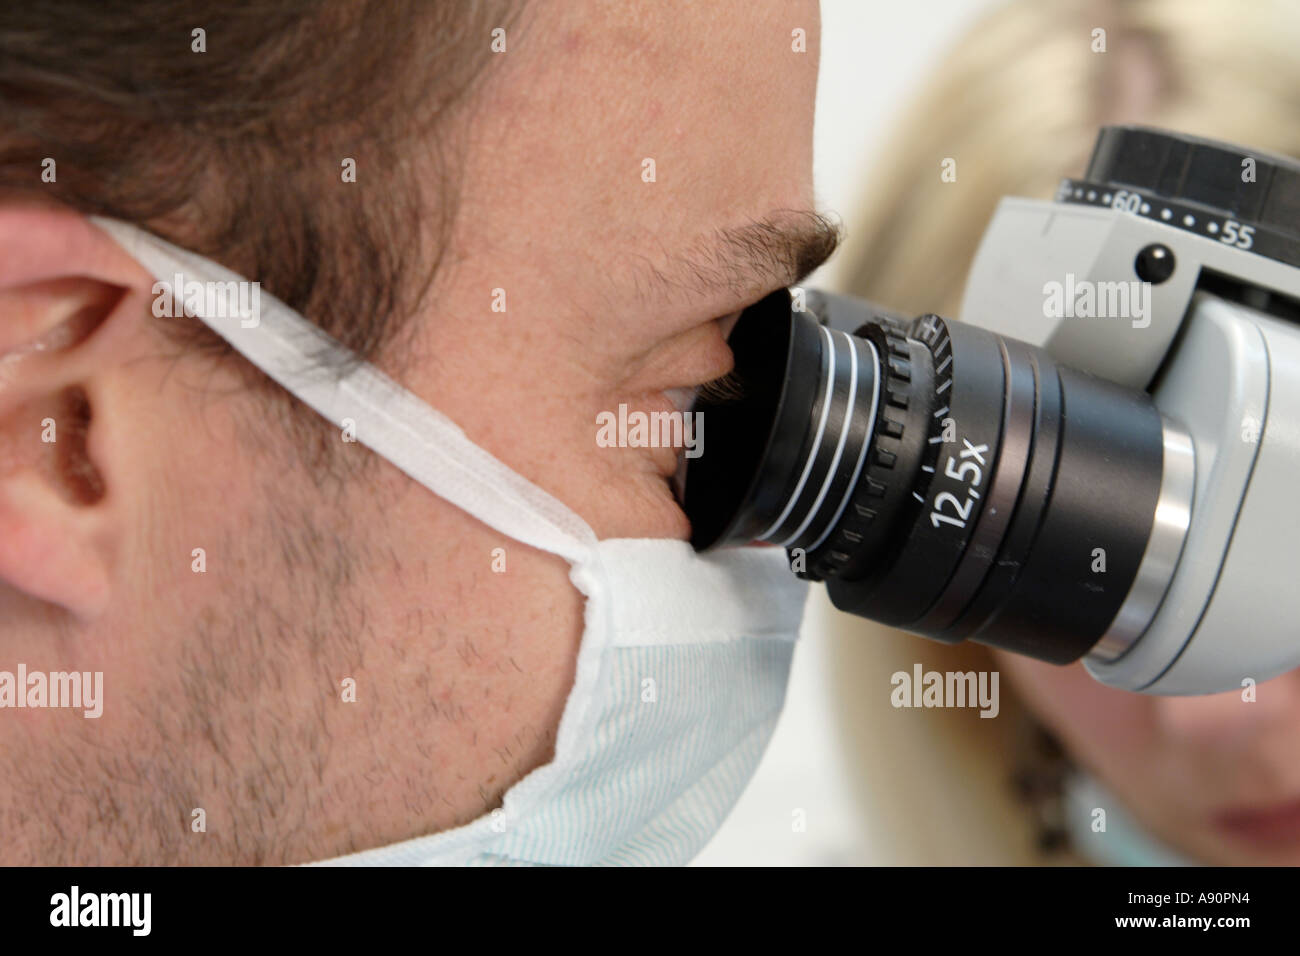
(636, 128)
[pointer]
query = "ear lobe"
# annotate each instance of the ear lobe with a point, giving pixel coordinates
(51, 551)
(63, 283)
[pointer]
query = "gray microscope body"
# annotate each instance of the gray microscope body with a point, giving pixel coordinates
(1173, 266)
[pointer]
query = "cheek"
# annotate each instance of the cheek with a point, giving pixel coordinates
(1106, 728)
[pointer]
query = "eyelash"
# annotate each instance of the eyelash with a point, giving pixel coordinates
(728, 388)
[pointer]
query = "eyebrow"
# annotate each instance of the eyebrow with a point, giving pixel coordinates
(748, 261)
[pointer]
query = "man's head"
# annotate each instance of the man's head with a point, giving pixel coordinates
(527, 213)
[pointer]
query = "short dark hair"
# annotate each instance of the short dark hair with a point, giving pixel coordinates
(237, 152)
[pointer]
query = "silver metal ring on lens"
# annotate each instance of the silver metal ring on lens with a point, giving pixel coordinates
(1168, 530)
(828, 355)
(851, 390)
(867, 438)
(846, 425)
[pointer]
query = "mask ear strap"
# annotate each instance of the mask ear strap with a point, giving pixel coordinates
(391, 421)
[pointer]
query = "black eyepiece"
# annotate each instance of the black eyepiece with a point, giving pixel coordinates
(940, 478)
(790, 450)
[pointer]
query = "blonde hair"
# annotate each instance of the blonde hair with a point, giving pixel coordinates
(1016, 104)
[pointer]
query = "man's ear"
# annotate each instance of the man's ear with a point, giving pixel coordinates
(73, 307)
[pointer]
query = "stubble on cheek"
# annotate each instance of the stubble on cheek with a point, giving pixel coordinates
(221, 711)
(216, 719)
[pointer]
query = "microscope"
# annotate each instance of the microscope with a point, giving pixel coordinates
(1095, 462)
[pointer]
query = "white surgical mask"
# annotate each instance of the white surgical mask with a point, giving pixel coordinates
(684, 660)
(1123, 842)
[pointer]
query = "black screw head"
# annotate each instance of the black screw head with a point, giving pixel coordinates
(1154, 264)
